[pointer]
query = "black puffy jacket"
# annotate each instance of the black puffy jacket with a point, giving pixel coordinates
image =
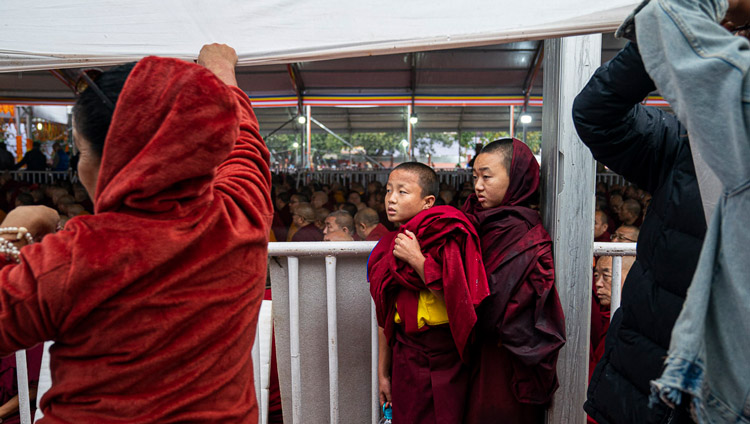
(649, 147)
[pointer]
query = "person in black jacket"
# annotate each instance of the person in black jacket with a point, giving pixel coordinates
(34, 159)
(649, 147)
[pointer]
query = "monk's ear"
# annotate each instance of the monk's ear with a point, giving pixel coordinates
(429, 201)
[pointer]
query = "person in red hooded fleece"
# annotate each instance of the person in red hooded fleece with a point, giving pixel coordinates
(426, 279)
(521, 328)
(153, 301)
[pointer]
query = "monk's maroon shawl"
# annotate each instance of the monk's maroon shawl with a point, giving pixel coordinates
(523, 311)
(453, 264)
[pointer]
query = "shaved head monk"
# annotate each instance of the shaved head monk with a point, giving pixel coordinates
(304, 218)
(521, 326)
(368, 226)
(426, 279)
(339, 221)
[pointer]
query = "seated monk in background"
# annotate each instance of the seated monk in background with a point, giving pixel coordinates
(367, 223)
(337, 236)
(426, 279)
(339, 221)
(521, 326)
(304, 219)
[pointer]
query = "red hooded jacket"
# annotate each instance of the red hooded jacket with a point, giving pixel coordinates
(153, 301)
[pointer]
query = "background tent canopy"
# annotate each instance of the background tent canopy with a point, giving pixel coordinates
(59, 34)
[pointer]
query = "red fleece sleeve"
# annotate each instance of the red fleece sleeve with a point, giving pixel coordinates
(33, 299)
(244, 177)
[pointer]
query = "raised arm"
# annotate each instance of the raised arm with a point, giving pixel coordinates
(244, 177)
(702, 70)
(635, 141)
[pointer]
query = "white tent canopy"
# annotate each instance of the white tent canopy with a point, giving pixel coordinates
(64, 33)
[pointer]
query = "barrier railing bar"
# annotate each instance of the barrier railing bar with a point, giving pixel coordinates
(256, 374)
(614, 249)
(24, 407)
(317, 248)
(293, 263)
(333, 353)
(374, 361)
(616, 285)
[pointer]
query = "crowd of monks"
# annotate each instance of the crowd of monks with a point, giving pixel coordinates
(463, 281)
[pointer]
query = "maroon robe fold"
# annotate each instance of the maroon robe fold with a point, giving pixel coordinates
(308, 233)
(450, 241)
(429, 375)
(377, 233)
(521, 323)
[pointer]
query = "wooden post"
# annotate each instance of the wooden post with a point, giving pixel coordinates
(568, 175)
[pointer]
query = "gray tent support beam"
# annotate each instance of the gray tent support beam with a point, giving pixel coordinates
(568, 176)
(339, 138)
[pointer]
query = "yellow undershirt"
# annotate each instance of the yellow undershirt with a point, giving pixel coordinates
(430, 310)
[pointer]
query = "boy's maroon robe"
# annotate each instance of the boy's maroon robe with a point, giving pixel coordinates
(429, 376)
(377, 233)
(521, 325)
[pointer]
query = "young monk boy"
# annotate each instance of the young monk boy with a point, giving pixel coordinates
(521, 326)
(426, 279)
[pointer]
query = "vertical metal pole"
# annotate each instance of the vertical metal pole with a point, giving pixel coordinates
(333, 353)
(616, 292)
(512, 121)
(308, 109)
(375, 382)
(22, 372)
(19, 136)
(409, 129)
(256, 374)
(568, 212)
(293, 265)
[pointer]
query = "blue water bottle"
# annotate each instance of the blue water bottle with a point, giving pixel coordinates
(387, 415)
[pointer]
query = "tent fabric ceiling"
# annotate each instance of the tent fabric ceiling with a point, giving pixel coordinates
(64, 34)
(496, 70)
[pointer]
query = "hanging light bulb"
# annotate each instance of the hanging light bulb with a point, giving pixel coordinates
(413, 119)
(301, 119)
(526, 118)
(39, 126)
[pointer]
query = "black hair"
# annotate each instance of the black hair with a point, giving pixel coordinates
(284, 196)
(301, 197)
(348, 207)
(25, 199)
(92, 116)
(428, 179)
(504, 146)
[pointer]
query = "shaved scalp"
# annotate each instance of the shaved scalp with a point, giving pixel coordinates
(367, 216)
(428, 179)
(632, 206)
(343, 219)
(504, 147)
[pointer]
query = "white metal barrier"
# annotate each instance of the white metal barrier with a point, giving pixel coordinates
(329, 252)
(454, 178)
(43, 177)
(345, 177)
(617, 251)
(610, 178)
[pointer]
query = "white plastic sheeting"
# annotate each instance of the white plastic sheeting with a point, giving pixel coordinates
(49, 34)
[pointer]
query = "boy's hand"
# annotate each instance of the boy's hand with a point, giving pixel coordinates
(407, 249)
(385, 390)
